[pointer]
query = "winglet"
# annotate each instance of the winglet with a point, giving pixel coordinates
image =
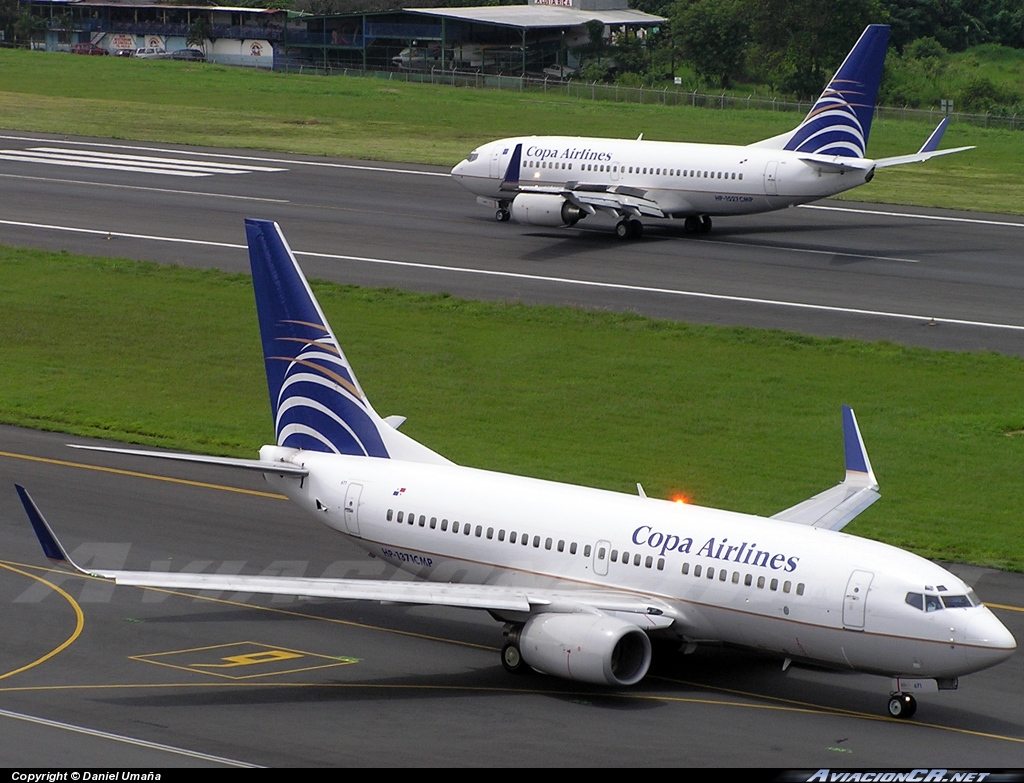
(51, 546)
(834, 508)
(511, 178)
(933, 141)
(857, 462)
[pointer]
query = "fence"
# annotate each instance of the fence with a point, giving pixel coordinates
(667, 96)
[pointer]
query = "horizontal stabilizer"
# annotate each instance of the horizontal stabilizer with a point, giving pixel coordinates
(262, 466)
(834, 508)
(930, 149)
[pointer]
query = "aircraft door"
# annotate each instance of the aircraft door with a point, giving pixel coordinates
(771, 178)
(602, 549)
(352, 495)
(855, 600)
(497, 170)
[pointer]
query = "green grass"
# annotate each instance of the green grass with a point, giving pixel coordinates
(736, 418)
(380, 120)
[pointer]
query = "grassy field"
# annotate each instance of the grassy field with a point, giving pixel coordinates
(737, 418)
(374, 119)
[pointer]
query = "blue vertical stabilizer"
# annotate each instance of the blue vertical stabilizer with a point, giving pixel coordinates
(840, 120)
(315, 399)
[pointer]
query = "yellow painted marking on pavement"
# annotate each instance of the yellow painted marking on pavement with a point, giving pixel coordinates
(265, 656)
(79, 620)
(136, 474)
(802, 706)
(250, 659)
(1004, 606)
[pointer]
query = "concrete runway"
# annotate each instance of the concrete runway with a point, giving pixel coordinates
(93, 677)
(922, 277)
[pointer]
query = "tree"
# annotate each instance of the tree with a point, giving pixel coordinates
(798, 44)
(712, 35)
(198, 33)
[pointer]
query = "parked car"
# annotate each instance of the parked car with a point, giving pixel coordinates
(124, 53)
(150, 53)
(88, 48)
(189, 55)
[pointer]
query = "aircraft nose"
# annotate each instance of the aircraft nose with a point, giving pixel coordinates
(459, 169)
(989, 641)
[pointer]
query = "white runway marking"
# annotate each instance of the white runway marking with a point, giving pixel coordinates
(390, 169)
(54, 724)
(144, 188)
(136, 164)
(548, 279)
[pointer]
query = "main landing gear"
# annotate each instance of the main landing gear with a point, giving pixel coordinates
(697, 224)
(902, 705)
(627, 228)
(502, 215)
(511, 657)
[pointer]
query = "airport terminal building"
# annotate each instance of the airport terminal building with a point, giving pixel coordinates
(541, 37)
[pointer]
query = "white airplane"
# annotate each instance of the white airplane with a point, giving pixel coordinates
(583, 578)
(559, 180)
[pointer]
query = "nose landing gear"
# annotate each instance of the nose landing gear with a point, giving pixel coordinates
(902, 705)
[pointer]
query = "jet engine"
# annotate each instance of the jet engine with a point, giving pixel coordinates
(593, 648)
(545, 209)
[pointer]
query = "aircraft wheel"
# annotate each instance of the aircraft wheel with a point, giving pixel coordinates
(512, 659)
(502, 215)
(637, 229)
(692, 224)
(902, 706)
(705, 224)
(622, 230)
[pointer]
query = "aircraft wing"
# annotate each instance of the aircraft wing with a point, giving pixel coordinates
(620, 200)
(835, 507)
(646, 612)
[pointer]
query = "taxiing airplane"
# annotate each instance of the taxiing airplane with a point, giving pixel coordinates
(583, 579)
(559, 180)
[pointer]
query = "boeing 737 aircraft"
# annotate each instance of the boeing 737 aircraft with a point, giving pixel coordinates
(559, 180)
(583, 578)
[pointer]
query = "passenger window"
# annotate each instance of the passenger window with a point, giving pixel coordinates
(479, 531)
(444, 524)
(572, 548)
(723, 575)
(696, 570)
(735, 577)
(661, 564)
(649, 562)
(391, 514)
(748, 580)
(433, 523)
(686, 568)
(501, 534)
(536, 542)
(512, 537)
(401, 516)
(636, 559)
(455, 526)
(800, 588)
(786, 586)
(423, 520)
(774, 585)
(760, 583)
(711, 573)
(547, 543)
(490, 533)
(586, 551)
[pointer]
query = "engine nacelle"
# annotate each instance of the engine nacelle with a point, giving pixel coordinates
(591, 648)
(545, 209)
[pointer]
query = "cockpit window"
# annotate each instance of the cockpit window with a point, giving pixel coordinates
(956, 601)
(916, 600)
(933, 603)
(472, 156)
